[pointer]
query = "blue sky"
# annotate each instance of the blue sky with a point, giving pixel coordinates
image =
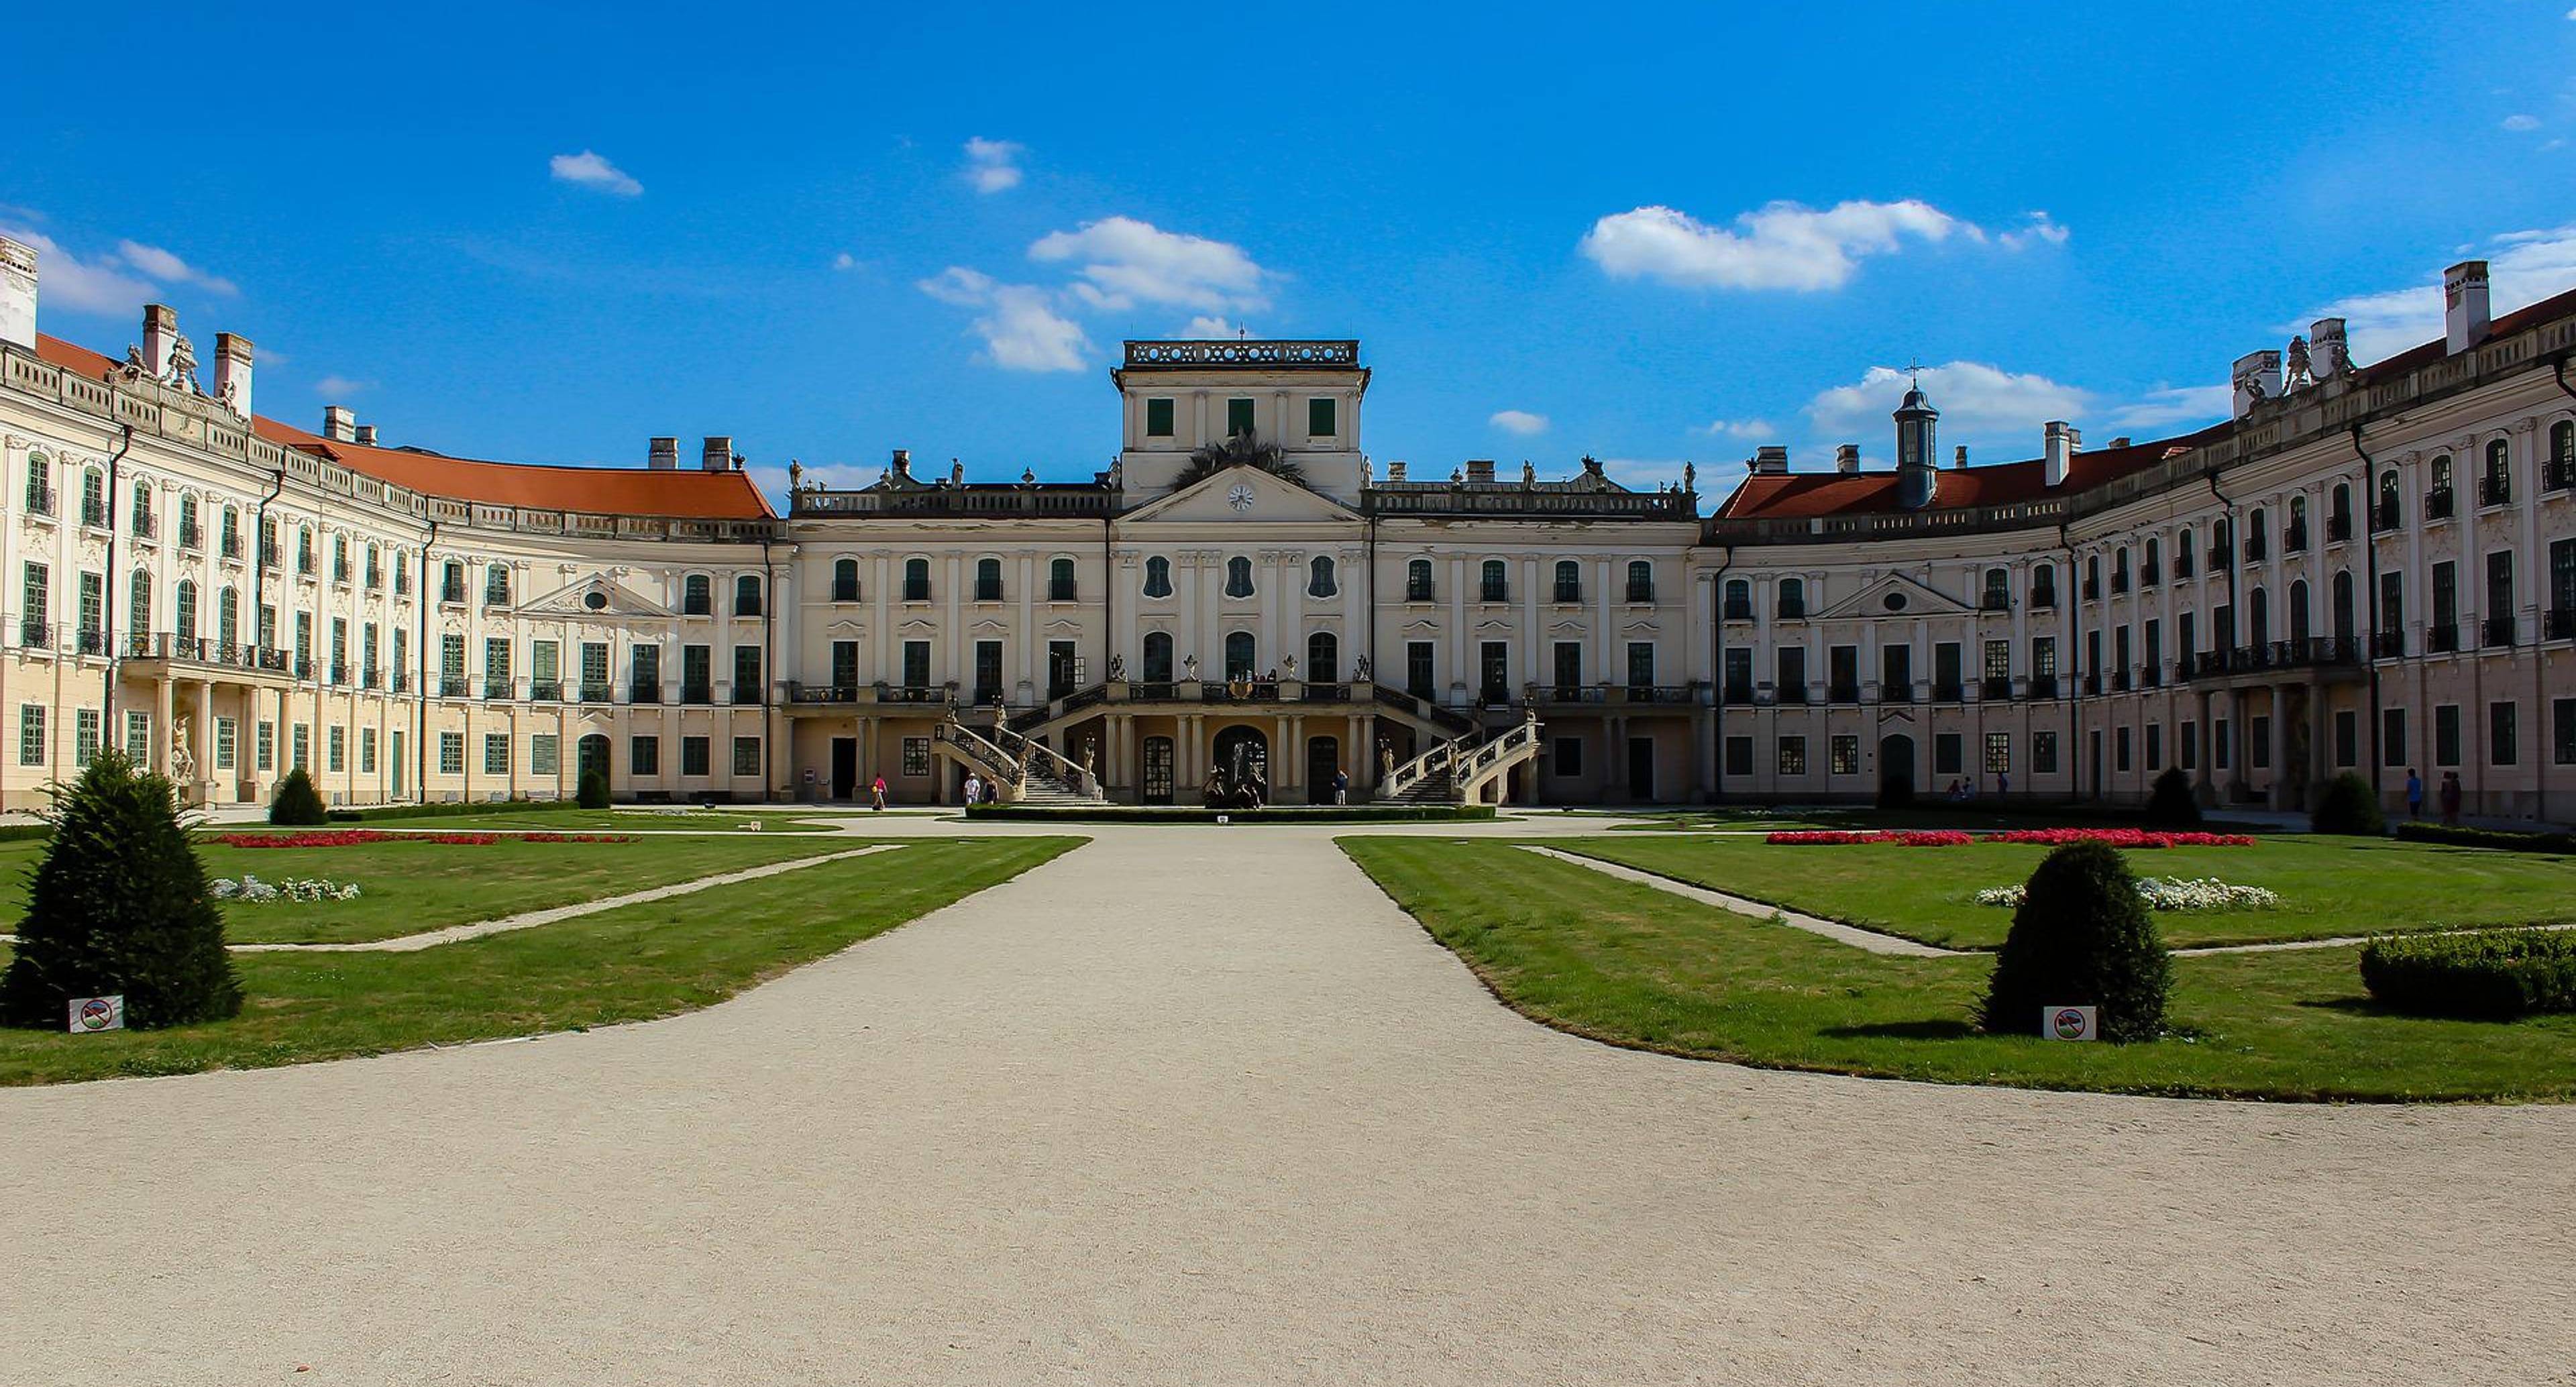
(1646, 233)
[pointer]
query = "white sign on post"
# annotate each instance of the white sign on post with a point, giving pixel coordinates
(97, 1014)
(2066, 1023)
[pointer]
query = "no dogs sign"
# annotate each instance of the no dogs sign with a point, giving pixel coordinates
(97, 1014)
(2066, 1023)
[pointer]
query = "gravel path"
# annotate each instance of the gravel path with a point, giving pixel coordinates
(1192, 1106)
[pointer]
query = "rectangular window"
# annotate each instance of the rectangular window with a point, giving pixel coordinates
(2187, 755)
(2258, 742)
(88, 730)
(1565, 756)
(1641, 664)
(300, 747)
(1238, 417)
(264, 745)
(1843, 751)
(2155, 746)
(227, 739)
(2347, 737)
(2562, 731)
(1569, 668)
(916, 664)
(845, 664)
(2043, 753)
(1494, 670)
(1998, 753)
(1319, 418)
(496, 667)
(2392, 736)
(1792, 673)
(1793, 756)
(1739, 756)
(335, 748)
(746, 674)
(451, 753)
(2220, 751)
(2120, 749)
(138, 737)
(545, 755)
(644, 755)
(988, 671)
(2446, 734)
(31, 734)
(694, 755)
(746, 756)
(33, 601)
(1948, 748)
(545, 660)
(1417, 668)
(916, 756)
(366, 751)
(496, 753)
(1158, 418)
(2501, 750)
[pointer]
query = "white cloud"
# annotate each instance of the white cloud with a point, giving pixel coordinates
(338, 386)
(993, 166)
(65, 281)
(2163, 408)
(591, 170)
(267, 357)
(1519, 421)
(1211, 327)
(1750, 430)
(1784, 245)
(1978, 402)
(1124, 262)
(2040, 230)
(1020, 327)
(2523, 267)
(2521, 122)
(845, 261)
(170, 269)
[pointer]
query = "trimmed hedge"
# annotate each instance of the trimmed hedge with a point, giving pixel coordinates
(2486, 838)
(2348, 807)
(19, 833)
(2492, 975)
(592, 793)
(297, 804)
(2082, 936)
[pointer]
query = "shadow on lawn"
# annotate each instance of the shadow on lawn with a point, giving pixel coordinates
(1938, 1028)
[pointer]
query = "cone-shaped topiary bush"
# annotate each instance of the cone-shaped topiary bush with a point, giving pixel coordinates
(297, 804)
(2171, 805)
(592, 793)
(119, 904)
(2348, 806)
(2082, 937)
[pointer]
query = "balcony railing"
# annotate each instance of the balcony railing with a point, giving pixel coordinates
(402, 681)
(1739, 694)
(2495, 631)
(1994, 602)
(2558, 474)
(2437, 503)
(1791, 693)
(1739, 611)
(2495, 491)
(2092, 589)
(40, 501)
(454, 686)
(2220, 556)
(644, 691)
(2558, 624)
(2338, 528)
(2383, 516)
(545, 691)
(2388, 645)
(2256, 551)
(2120, 680)
(1793, 609)
(1949, 691)
(1842, 693)
(1995, 690)
(697, 694)
(2043, 686)
(599, 691)
(2119, 583)
(2045, 599)
(2441, 640)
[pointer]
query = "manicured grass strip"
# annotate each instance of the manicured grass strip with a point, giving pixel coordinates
(1634, 966)
(630, 964)
(2329, 886)
(407, 887)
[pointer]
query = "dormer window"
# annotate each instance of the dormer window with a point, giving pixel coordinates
(1158, 418)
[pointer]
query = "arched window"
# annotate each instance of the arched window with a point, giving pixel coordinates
(1323, 658)
(402, 573)
(2296, 538)
(1238, 655)
(2339, 512)
(2442, 473)
(2299, 609)
(375, 566)
(304, 550)
(697, 595)
(988, 580)
(845, 580)
(1238, 577)
(1158, 657)
(2345, 628)
(189, 538)
(228, 534)
(2120, 569)
(2386, 519)
(2155, 568)
(916, 580)
(2258, 535)
(1320, 578)
(746, 594)
(227, 619)
(1739, 600)
(1793, 598)
(339, 558)
(1493, 582)
(2183, 555)
(2043, 585)
(1417, 581)
(2496, 488)
(40, 484)
(1641, 581)
(1998, 595)
(2259, 608)
(1569, 581)
(2562, 442)
(142, 509)
(93, 497)
(1060, 580)
(138, 607)
(1158, 577)
(496, 587)
(183, 609)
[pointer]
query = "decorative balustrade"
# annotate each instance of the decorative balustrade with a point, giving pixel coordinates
(1231, 353)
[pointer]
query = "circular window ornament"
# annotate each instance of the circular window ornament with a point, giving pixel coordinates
(596, 600)
(1894, 601)
(1239, 496)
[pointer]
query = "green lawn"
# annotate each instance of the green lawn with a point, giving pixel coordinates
(585, 821)
(629, 964)
(1631, 965)
(407, 887)
(2329, 886)
(1865, 818)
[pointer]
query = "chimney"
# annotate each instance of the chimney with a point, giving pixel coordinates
(232, 371)
(2258, 378)
(1395, 470)
(1847, 459)
(903, 463)
(160, 333)
(662, 454)
(1772, 461)
(1960, 458)
(2063, 442)
(2464, 305)
(365, 436)
(2329, 353)
(338, 424)
(717, 453)
(17, 294)
(1480, 469)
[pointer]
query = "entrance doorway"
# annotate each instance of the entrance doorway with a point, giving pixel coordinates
(1641, 769)
(1323, 760)
(590, 754)
(1157, 788)
(845, 767)
(1895, 769)
(1244, 755)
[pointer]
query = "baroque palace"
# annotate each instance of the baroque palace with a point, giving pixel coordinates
(2369, 567)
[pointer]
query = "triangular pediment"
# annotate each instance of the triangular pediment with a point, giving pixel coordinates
(1912, 600)
(1240, 495)
(598, 597)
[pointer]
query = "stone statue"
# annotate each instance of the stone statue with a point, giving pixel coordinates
(2297, 372)
(231, 398)
(1091, 758)
(1385, 761)
(1290, 666)
(183, 362)
(135, 367)
(1360, 670)
(956, 472)
(1189, 667)
(1690, 478)
(1529, 475)
(183, 765)
(1117, 669)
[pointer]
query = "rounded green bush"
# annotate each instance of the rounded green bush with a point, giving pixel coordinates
(119, 905)
(592, 793)
(2082, 936)
(2348, 807)
(297, 804)
(2171, 805)
(2495, 974)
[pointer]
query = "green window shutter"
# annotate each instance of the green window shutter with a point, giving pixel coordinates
(1158, 418)
(1238, 417)
(1319, 419)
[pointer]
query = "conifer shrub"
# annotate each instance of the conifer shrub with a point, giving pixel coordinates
(2348, 807)
(2171, 804)
(593, 790)
(2496, 974)
(297, 804)
(119, 904)
(2082, 936)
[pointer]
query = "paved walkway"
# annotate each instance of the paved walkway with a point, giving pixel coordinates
(1200, 1106)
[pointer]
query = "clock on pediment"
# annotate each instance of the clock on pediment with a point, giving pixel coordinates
(1240, 496)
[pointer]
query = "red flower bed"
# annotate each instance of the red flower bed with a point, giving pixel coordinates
(2043, 837)
(1911, 838)
(356, 837)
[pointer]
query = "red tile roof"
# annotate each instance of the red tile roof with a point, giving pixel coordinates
(690, 494)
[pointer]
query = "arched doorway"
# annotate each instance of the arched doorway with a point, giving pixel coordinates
(1243, 753)
(590, 754)
(1895, 769)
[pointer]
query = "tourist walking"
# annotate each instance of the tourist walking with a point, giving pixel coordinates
(974, 788)
(1341, 787)
(2414, 794)
(2451, 798)
(876, 794)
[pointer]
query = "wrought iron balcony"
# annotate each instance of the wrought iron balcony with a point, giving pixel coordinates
(2496, 631)
(2043, 686)
(1994, 602)
(2558, 624)
(2495, 491)
(1995, 690)
(647, 691)
(2388, 645)
(2043, 598)
(2558, 474)
(697, 694)
(2338, 528)
(2437, 503)
(2383, 516)
(2149, 575)
(2294, 540)
(2119, 583)
(1739, 611)
(1793, 609)
(1949, 691)
(2256, 551)
(1233, 353)
(601, 691)
(2092, 589)
(454, 686)
(1739, 694)
(2441, 640)
(1842, 693)
(2220, 556)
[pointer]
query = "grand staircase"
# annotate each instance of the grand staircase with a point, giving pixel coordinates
(1024, 771)
(1461, 772)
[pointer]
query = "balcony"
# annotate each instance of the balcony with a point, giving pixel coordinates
(2119, 583)
(2256, 551)
(2437, 503)
(189, 536)
(1791, 693)
(1664, 693)
(1739, 695)
(646, 691)
(2120, 680)
(2558, 474)
(697, 695)
(2149, 575)
(1641, 592)
(499, 690)
(2383, 517)
(2294, 540)
(2388, 645)
(1417, 592)
(402, 681)
(1949, 691)
(1995, 690)
(2441, 640)
(1793, 609)
(1739, 611)
(1994, 602)
(371, 678)
(2043, 598)
(600, 691)
(2338, 528)
(1842, 693)
(545, 691)
(2043, 686)
(2092, 589)
(89, 641)
(40, 501)
(2092, 685)
(2495, 632)
(2495, 491)
(36, 634)
(2220, 556)
(2558, 624)
(454, 686)
(230, 548)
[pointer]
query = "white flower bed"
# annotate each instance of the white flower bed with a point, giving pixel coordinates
(298, 889)
(2162, 893)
